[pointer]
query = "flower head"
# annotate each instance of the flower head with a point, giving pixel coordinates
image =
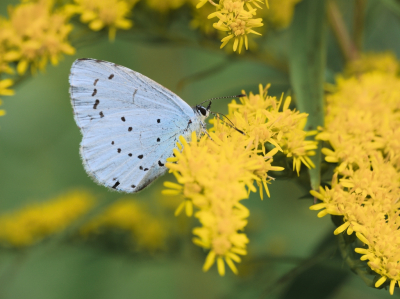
(362, 121)
(236, 18)
(111, 14)
(215, 174)
(384, 62)
(35, 34)
(33, 223)
(146, 232)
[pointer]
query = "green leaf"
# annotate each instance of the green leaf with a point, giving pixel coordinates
(393, 5)
(307, 58)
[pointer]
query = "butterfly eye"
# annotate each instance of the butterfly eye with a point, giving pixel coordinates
(202, 110)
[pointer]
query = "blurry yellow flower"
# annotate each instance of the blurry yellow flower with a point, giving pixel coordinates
(4, 35)
(200, 20)
(5, 91)
(33, 223)
(103, 13)
(35, 34)
(165, 5)
(280, 12)
(385, 62)
(362, 127)
(147, 232)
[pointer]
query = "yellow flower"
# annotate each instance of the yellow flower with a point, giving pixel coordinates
(147, 232)
(236, 19)
(362, 129)
(384, 62)
(35, 34)
(33, 223)
(268, 120)
(103, 13)
(215, 175)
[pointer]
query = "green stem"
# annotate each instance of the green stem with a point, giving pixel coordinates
(307, 59)
(359, 19)
(341, 33)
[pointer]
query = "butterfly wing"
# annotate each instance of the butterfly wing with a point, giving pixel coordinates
(97, 87)
(130, 124)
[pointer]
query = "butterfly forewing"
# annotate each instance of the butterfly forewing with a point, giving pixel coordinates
(130, 124)
(98, 86)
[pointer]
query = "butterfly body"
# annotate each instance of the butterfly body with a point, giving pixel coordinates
(129, 123)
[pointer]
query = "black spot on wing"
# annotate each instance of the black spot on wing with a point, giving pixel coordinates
(160, 164)
(129, 129)
(111, 76)
(95, 82)
(130, 155)
(141, 167)
(112, 142)
(133, 186)
(158, 139)
(115, 185)
(158, 120)
(123, 118)
(96, 103)
(101, 114)
(145, 169)
(140, 156)
(94, 92)
(119, 150)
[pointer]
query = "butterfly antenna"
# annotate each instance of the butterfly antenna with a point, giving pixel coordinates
(229, 124)
(210, 100)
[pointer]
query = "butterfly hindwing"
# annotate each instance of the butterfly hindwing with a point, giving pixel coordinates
(126, 154)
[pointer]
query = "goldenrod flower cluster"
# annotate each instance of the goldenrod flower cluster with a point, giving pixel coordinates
(237, 19)
(147, 232)
(103, 13)
(362, 128)
(215, 174)
(385, 62)
(260, 116)
(34, 34)
(35, 222)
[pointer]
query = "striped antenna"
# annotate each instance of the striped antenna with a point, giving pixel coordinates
(237, 96)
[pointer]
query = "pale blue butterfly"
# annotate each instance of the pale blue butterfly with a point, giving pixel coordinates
(130, 124)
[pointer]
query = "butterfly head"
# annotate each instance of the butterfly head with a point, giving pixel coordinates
(202, 111)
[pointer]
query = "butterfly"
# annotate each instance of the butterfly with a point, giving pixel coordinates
(130, 124)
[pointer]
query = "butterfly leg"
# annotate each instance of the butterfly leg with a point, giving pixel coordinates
(204, 130)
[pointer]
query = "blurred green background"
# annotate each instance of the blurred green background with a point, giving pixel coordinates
(291, 253)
